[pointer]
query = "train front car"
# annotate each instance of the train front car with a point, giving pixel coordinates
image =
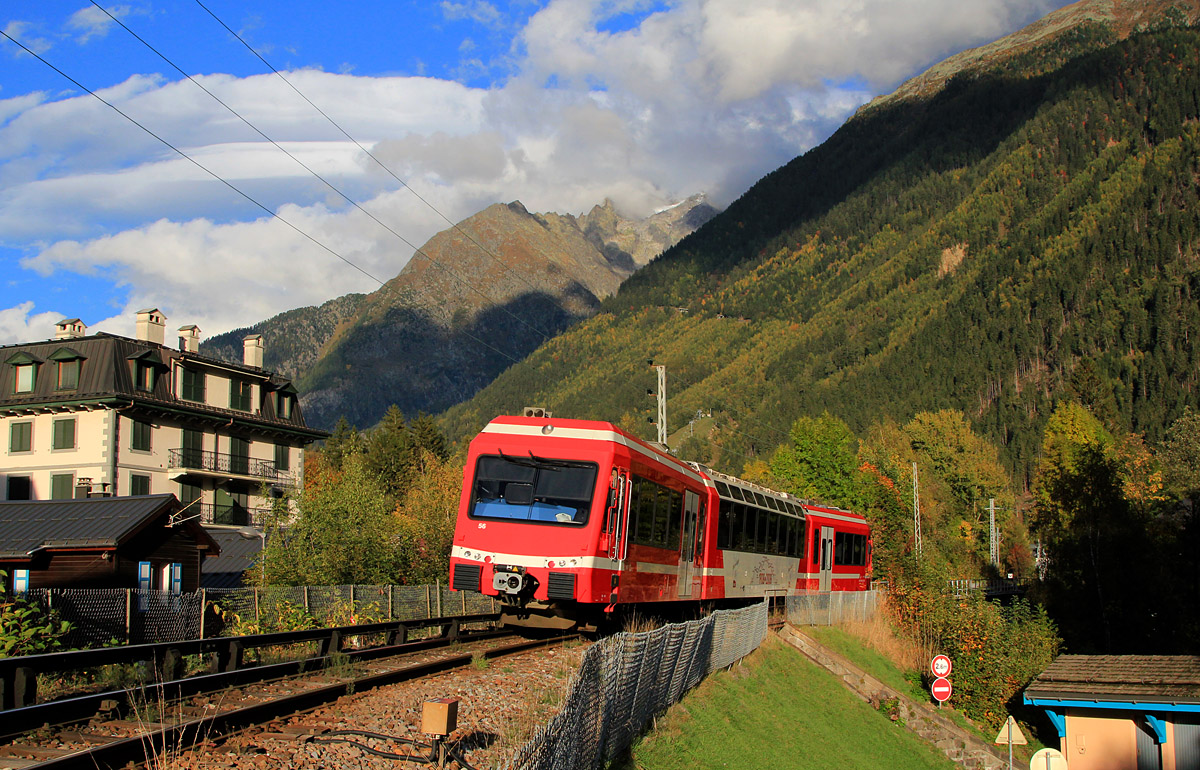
(544, 523)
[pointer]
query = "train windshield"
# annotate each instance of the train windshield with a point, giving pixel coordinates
(533, 489)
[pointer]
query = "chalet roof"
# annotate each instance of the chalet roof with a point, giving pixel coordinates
(1170, 679)
(29, 526)
(106, 379)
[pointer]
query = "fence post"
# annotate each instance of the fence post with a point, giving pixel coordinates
(428, 603)
(257, 619)
(438, 584)
(464, 602)
(128, 613)
(306, 609)
(351, 600)
(391, 616)
(203, 607)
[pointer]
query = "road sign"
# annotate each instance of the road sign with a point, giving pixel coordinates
(941, 689)
(940, 666)
(1010, 734)
(1048, 759)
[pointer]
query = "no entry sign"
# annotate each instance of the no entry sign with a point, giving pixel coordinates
(940, 666)
(941, 689)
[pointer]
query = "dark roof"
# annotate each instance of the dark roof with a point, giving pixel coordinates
(29, 526)
(1119, 679)
(107, 378)
(237, 556)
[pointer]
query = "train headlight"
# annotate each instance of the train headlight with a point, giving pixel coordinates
(508, 582)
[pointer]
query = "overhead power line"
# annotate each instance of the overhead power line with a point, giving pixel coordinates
(416, 249)
(217, 176)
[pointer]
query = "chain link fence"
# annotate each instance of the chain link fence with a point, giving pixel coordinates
(101, 617)
(626, 680)
(828, 608)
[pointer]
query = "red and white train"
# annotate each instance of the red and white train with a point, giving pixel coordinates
(563, 520)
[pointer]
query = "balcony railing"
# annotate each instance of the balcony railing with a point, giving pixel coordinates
(232, 515)
(233, 465)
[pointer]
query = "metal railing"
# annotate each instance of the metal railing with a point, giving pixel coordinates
(220, 462)
(230, 515)
(829, 608)
(105, 616)
(992, 586)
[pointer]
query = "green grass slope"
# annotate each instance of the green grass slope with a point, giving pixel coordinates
(1029, 231)
(778, 710)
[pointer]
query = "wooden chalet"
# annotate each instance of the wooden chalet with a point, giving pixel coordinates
(102, 542)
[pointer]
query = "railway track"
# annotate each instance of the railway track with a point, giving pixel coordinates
(195, 712)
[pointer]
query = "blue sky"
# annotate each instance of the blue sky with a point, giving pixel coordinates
(557, 103)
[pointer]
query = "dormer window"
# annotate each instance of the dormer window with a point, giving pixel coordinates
(283, 406)
(145, 369)
(144, 379)
(24, 372)
(67, 365)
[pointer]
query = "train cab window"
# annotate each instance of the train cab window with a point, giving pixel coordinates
(533, 489)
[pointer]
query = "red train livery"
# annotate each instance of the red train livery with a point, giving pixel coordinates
(562, 519)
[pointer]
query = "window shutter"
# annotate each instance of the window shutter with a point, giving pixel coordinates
(176, 578)
(20, 580)
(144, 575)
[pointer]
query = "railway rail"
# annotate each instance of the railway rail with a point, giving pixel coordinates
(120, 727)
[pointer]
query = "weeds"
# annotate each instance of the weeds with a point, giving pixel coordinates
(479, 662)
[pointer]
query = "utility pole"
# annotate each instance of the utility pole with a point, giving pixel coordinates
(916, 512)
(662, 400)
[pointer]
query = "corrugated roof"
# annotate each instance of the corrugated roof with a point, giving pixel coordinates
(1120, 678)
(237, 556)
(27, 526)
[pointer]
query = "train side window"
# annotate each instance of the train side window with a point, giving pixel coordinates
(765, 525)
(722, 489)
(644, 533)
(701, 522)
(723, 513)
(674, 520)
(736, 493)
(773, 523)
(762, 501)
(816, 559)
(839, 548)
(662, 515)
(801, 534)
(750, 528)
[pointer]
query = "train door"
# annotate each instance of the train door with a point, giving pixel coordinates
(687, 554)
(826, 559)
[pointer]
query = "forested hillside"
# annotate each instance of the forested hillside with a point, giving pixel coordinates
(1028, 232)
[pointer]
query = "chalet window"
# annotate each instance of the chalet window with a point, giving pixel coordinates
(282, 454)
(64, 434)
(193, 386)
(283, 406)
(144, 379)
(239, 395)
(20, 437)
(139, 484)
(26, 377)
(140, 436)
(62, 486)
(20, 488)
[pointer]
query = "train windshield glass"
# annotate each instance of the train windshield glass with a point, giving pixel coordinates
(533, 489)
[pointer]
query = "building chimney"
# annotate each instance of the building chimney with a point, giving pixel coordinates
(151, 325)
(69, 329)
(189, 338)
(252, 350)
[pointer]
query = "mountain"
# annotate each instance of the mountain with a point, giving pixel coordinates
(474, 300)
(1022, 227)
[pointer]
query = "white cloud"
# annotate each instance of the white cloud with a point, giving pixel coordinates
(699, 95)
(17, 325)
(22, 32)
(479, 11)
(91, 22)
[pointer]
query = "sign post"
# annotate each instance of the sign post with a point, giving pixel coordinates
(941, 689)
(1010, 734)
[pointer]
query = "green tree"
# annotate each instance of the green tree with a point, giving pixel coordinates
(820, 461)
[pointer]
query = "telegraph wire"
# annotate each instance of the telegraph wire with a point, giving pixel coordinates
(216, 176)
(416, 249)
(378, 162)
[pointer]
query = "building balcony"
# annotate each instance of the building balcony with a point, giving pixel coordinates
(229, 515)
(219, 465)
